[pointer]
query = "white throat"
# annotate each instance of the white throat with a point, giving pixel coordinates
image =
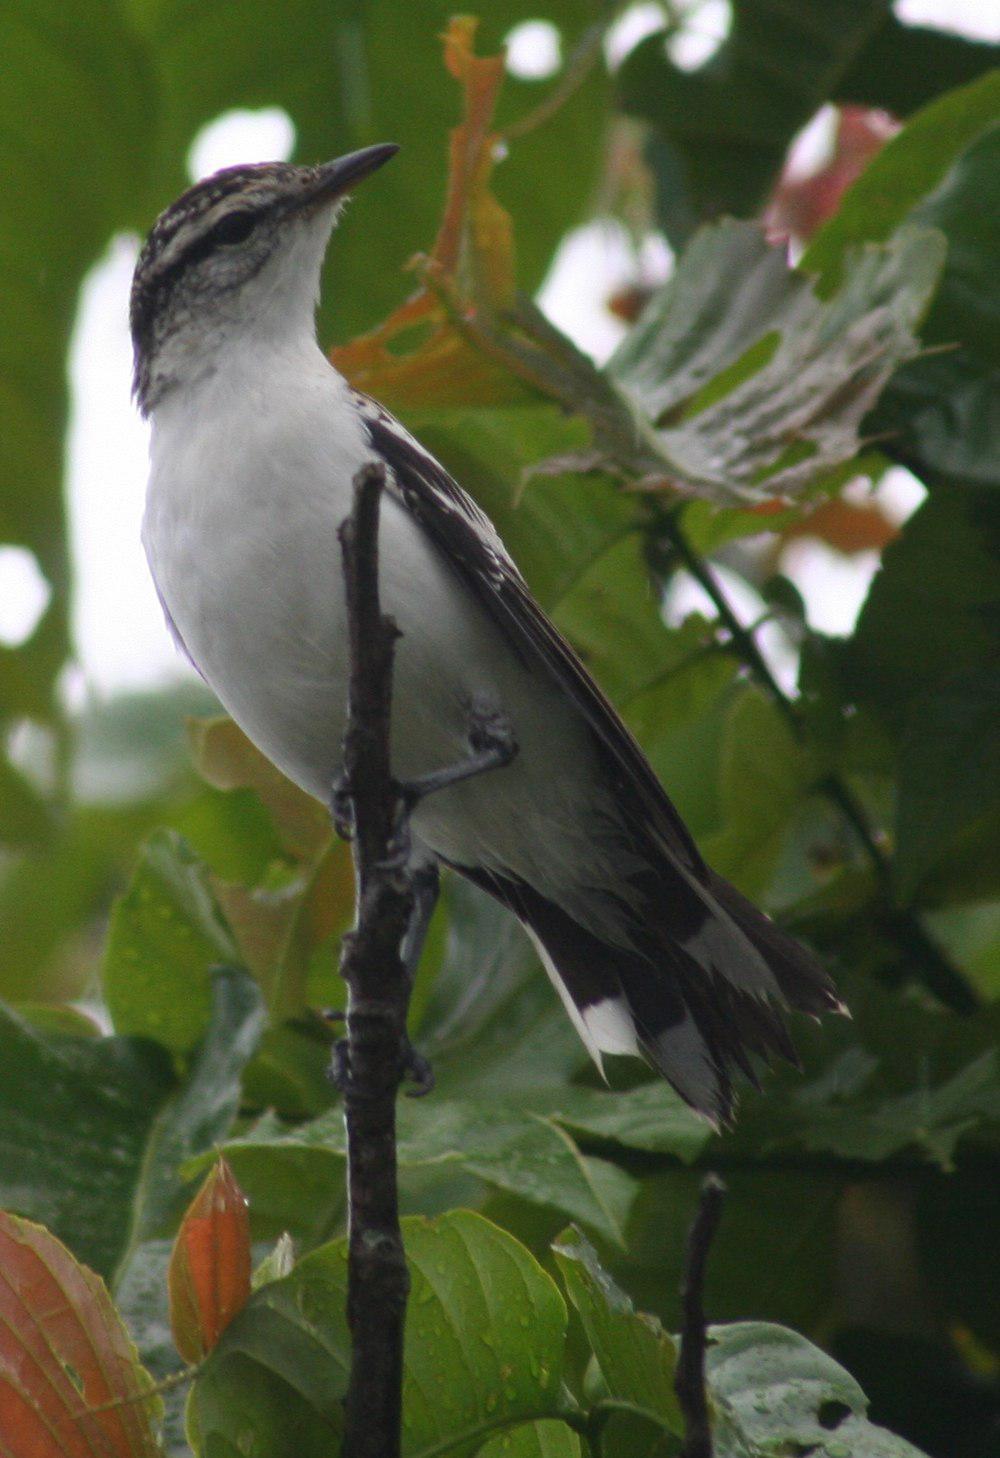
(271, 316)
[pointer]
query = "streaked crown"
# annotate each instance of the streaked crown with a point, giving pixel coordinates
(219, 235)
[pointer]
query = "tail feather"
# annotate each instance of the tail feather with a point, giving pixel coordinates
(699, 1007)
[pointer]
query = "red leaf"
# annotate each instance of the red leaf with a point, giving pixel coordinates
(209, 1276)
(71, 1385)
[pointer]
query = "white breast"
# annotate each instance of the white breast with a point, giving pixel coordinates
(251, 477)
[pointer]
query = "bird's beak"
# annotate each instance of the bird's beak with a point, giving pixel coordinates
(335, 178)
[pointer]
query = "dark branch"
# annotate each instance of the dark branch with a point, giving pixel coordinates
(379, 993)
(689, 1379)
(395, 898)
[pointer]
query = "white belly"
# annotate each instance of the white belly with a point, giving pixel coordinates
(241, 534)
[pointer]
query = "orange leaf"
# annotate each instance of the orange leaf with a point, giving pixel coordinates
(476, 233)
(472, 262)
(71, 1385)
(209, 1276)
(847, 527)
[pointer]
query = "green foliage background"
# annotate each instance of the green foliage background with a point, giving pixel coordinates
(865, 811)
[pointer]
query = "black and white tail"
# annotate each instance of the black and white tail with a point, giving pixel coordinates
(699, 992)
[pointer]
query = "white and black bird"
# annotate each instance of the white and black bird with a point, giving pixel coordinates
(255, 442)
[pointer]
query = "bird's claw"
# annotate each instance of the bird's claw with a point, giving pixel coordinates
(416, 1069)
(413, 1068)
(342, 808)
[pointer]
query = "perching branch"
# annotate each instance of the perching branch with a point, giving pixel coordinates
(379, 994)
(689, 1378)
(394, 900)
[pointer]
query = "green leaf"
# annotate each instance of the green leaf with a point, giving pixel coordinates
(549, 1439)
(195, 1117)
(512, 1149)
(484, 1345)
(923, 659)
(165, 936)
(933, 610)
(907, 170)
(905, 66)
(955, 434)
(900, 1079)
(775, 1392)
(651, 1117)
(93, 1131)
(774, 1207)
(635, 1355)
(940, 413)
(749, 384)
(722, 130)
(76, 1117)
(86, 158)
(949, 773)
(202, 1110)
(24, 818)
(764, 776)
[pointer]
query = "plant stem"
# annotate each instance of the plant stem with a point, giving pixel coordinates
(379, 994)
(936, 972)
(689, 1379)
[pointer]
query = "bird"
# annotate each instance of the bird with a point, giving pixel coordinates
(255, 441)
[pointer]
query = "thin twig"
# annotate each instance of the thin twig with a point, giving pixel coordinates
(689, 1378)
(900, 922)
(584, 56)
(379, 992)
(535, 352)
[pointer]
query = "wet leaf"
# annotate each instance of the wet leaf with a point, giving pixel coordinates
(524, 1153)
(635, 1355)
(70, 1381)
(209, 1273)
(772, 1389)
(484, 1342)
(166, 934)
(750, 385)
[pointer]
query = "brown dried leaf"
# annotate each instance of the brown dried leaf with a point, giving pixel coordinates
(471, 262)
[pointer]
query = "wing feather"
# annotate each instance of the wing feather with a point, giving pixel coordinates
(472, 547)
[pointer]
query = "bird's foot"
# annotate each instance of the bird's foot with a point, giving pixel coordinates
(342, 808)
(413, 1068)
(339, 1071)
(493, 745)
(416, 1069)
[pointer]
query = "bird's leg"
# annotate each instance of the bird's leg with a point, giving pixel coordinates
(426, 883)
(493, 745)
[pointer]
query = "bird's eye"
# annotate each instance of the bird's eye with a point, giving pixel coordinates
(234, 227)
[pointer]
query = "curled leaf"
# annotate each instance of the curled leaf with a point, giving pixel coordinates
(209, 1275)
(748, 384)
(418, 356)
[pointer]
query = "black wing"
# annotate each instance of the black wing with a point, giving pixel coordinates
(472, 547)
(705, 966)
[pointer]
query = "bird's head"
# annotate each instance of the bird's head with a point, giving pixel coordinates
(240, 252)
